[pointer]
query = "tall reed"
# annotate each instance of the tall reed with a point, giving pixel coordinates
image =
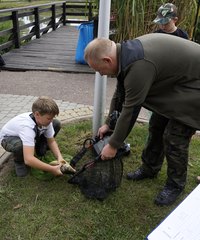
(134, 17)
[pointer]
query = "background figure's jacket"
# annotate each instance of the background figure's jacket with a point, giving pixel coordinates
(161, 73)
(179, 32)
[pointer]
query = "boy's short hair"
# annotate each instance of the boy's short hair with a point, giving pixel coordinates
(165, 13)
(45, 105)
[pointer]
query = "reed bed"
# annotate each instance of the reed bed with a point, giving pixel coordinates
(134, 17)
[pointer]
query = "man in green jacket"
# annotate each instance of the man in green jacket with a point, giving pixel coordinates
(161, 73)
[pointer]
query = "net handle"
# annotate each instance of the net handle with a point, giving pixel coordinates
(84, 167)
(82, 152)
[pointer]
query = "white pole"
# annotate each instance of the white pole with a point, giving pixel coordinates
(101, 81)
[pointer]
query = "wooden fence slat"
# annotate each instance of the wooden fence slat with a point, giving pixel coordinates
(65, 10)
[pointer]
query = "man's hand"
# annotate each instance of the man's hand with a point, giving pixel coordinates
(103, 130)
(108, 152)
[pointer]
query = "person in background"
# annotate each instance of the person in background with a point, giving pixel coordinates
(29, 136)
(166, 20)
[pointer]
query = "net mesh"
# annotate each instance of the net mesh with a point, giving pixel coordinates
(100, 178)
(97, 178)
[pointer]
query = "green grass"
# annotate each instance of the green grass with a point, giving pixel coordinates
(32, 209)
(6, 4)
(5, 25)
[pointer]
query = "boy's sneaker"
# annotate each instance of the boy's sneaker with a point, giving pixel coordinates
(21, 169)
(168, 195)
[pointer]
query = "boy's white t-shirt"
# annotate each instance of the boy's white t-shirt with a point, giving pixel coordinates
(23, 126)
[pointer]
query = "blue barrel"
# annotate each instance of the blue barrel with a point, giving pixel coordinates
(85, 36)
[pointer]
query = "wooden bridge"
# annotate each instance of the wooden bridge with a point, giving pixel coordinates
(51, 48)
(54, 51)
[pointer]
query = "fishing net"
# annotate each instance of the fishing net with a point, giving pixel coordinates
(101, 179)
(97, 178)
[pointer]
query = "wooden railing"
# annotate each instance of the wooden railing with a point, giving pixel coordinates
(45, 17)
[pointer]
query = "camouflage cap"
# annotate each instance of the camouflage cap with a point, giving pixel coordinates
(165, 13)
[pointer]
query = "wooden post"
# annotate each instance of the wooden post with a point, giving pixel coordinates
(16, 31)
(37, 22)
(53, 22)
(64, 13)
(90, 12)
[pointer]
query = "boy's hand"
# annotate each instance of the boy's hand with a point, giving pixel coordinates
(62, 161)
(57, 162)
(56, 170)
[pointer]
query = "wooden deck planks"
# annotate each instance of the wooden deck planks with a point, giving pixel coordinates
(54, 51)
